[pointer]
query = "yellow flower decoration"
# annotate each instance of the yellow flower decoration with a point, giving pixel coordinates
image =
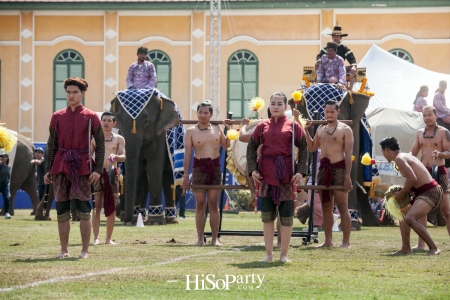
(7, 140)
(256, 104)
(232, 134)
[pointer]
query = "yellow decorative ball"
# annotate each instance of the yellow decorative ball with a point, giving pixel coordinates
(297, 96)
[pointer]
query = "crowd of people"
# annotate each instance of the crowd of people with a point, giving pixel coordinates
(272, 174)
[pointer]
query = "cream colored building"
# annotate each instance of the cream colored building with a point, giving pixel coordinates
(264, 47)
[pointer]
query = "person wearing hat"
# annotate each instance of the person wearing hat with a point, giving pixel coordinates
(40, 168)
(420, 102)
(141, 74)
(440, 104)
(5, 177)
(331, 67)
(343, 51)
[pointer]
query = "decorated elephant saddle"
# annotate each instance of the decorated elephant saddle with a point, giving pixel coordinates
(134, 101)
(316, 96)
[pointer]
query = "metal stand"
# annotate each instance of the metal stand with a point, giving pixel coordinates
(307, 236)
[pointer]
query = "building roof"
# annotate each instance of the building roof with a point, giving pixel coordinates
(199, 4)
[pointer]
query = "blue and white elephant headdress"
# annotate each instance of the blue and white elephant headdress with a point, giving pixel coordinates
(134, 101)
(318, 94)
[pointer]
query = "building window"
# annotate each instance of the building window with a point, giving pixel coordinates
(163, 67)
(68, 63)
(242, 82)
(402, 54)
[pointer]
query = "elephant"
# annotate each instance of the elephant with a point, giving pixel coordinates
(357, 198)
(145, 155)
(23, 174)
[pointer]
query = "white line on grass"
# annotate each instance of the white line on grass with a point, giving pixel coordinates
(106, 272)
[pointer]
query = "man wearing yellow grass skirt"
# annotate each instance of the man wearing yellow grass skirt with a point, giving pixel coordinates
(427, 194)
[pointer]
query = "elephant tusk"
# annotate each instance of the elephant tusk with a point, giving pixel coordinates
(361, 187)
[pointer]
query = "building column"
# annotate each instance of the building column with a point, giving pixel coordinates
(326, 27)
(197, 61)
(111, 61)
(26, 73)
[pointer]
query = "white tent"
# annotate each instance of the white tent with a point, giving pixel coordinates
(395, 81)
(387, 122)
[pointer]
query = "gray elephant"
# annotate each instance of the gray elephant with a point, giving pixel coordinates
(146, 154)
(23, 174)
(357, 199)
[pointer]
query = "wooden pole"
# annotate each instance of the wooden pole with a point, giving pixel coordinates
(243, 187)
(238, 122)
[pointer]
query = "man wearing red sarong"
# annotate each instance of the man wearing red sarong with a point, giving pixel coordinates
(427, 193)
(107, 189)
(68, 162)
(205, 139)
(335, 140)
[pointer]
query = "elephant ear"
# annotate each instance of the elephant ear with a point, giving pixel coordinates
(168, 116)
(113, 107)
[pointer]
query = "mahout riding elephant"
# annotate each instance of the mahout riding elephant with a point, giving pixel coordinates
(146, 151)
(23, 174)
(357, 199)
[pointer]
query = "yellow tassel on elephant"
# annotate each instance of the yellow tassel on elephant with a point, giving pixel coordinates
(133, 130)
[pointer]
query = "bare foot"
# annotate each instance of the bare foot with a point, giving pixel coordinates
(325, 245)
(267, 259)
(200, 243)
(284, 259)
(96, 242)
(63, 255)
(216, 243)
(345, 245)
(83, 255)
(418, 248)
(110, 242)
(403, 252)
(434, 252)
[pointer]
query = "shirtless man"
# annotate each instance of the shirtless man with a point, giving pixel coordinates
(434, 141)
(106, 195)
(428, 194)
(335, 140)
(205, 139)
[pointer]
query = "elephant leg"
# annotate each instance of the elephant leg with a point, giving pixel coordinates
(140, 204)
(169, 197)
(155, 167)
(12, 197)
(29, 186)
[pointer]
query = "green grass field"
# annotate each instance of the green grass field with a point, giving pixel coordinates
(146, 265)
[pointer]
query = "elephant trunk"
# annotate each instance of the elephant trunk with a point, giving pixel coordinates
(131, 178)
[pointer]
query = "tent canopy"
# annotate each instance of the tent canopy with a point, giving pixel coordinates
(395, 81)
(387, 122)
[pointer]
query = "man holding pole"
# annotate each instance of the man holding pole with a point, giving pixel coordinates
(68, 157)
(205, 139)
(335, 140)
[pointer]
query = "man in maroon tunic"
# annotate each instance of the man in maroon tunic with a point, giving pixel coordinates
(68, 162)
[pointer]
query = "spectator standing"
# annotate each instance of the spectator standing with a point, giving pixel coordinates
(5, 176)
(39, 161)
